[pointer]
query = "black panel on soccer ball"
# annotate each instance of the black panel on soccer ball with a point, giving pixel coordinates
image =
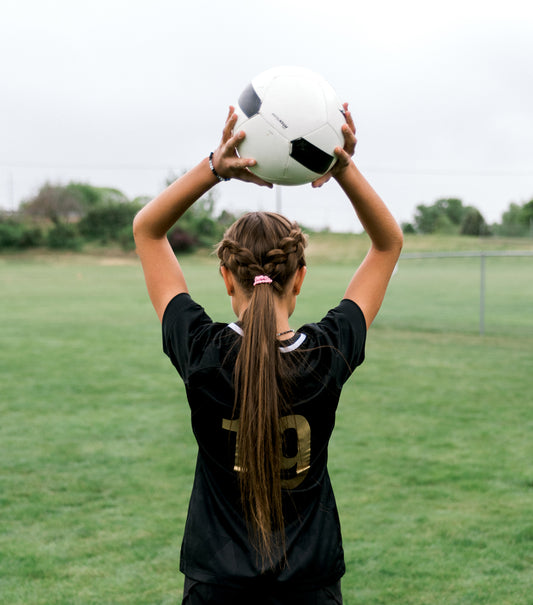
(310, 156)
(249, 101)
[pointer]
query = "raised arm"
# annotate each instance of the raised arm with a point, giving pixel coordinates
(368, 285)
(163, 275)
(162, 272)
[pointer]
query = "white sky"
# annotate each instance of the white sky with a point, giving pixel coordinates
(120, 93)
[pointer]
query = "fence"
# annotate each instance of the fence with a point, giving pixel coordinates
(483, 255)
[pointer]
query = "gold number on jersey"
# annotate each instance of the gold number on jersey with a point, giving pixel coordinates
(296, 448)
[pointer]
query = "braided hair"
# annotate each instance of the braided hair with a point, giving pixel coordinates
(261, 243)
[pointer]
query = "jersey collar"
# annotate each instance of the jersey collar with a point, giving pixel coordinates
(291, 343)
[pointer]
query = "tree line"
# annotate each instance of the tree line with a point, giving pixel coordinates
(70, 216)
(451, 216)
(73, 215)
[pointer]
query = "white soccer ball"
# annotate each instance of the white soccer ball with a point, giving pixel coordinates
(292, 119)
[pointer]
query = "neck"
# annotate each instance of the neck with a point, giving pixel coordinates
(282, 316)
(282, 323)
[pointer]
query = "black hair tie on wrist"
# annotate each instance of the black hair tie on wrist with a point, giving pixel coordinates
(220, 178)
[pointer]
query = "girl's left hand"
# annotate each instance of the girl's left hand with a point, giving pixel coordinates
(226, 160)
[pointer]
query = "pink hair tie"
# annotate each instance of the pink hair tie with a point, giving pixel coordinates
(262, 279)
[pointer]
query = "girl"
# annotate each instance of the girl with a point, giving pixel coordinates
(262, 525)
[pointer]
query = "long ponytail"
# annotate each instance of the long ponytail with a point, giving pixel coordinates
(257, 382)
(261, 244)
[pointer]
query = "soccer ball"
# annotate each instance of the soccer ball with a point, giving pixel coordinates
(292, 119)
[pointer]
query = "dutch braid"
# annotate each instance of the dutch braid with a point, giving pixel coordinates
(279, 262)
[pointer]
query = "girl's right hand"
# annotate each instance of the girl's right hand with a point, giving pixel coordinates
(226, 160)
(344, 154)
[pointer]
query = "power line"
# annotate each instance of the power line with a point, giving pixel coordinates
(448, 171)
(168, 166)
(81, 166)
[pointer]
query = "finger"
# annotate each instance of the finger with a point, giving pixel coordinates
(321, 180)
(244, 163)
(236, 165)
(349, 121)
(348, 117)
(243, 172)
(343, 156)
(228, 126)
(259, 181)
(250, 177)
(349, 139)
(345, 109)
(236, 139)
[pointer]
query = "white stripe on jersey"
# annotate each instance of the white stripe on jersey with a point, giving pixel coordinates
(287, 349)
(294, 345)
(236, 328)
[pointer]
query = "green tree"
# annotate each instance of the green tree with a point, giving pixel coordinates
(425, 218)
(108, 223)
(201, 220)
(54, 203)
(528, 216)
(443, 216)
(473, 223)
(95, 197)
(452, 208)
(447, 215)
(517, 220)
(69, 203)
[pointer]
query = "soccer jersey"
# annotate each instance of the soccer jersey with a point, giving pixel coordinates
(216, 546)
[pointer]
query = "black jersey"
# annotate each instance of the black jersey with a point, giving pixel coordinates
(216, 547)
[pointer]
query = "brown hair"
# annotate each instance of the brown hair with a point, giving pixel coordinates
(261, 243)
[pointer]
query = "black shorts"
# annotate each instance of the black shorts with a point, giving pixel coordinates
(199, 593)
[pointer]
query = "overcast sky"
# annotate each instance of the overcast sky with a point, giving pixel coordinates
(120, 93)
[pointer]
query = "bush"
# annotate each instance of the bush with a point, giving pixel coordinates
(125, 238)
(31, 237)
(182, 241)
(106, 223)
(17, 235)
(54, 203)
(474, 223)
(408, 228)
(202, 223)
(9, 234)
(63, 236)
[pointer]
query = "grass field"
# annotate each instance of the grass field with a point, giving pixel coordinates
(431, 460)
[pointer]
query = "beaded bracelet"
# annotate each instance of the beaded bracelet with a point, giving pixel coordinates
(220, 178)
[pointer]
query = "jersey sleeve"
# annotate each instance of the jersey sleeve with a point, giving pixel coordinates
(186, 330)
(344, 328)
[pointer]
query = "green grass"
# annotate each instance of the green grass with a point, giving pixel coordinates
(431, 460)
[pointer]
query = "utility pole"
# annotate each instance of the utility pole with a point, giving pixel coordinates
(10, 192)
(278, 199)
(482, 294)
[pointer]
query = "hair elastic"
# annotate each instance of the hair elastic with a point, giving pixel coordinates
(262, 279)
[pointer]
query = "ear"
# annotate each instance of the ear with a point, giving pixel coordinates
(299, 280)
(229, 280)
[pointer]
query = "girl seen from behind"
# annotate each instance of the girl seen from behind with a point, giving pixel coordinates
(262, 525)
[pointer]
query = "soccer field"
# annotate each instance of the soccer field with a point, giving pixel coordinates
(431, 459)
